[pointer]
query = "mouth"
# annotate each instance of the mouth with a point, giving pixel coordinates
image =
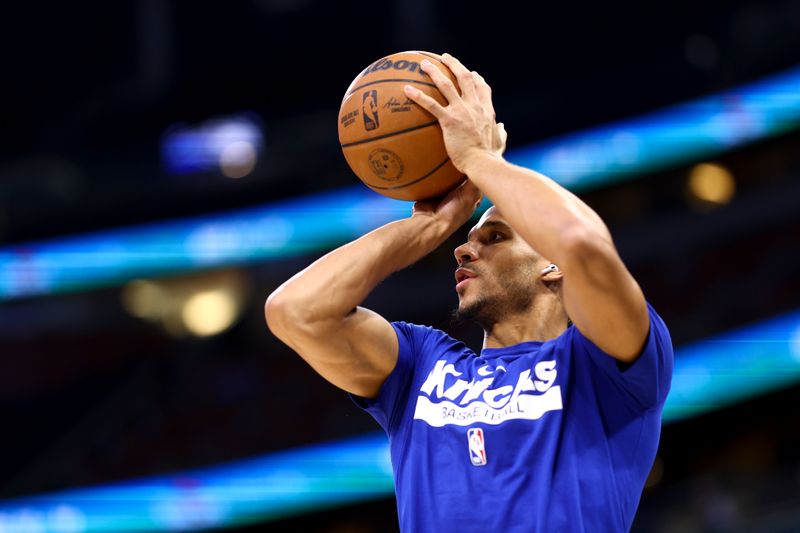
(463, 276)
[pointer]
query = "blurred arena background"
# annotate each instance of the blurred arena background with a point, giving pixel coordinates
(166, 164)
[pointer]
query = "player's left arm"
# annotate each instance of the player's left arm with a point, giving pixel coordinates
(600, 296)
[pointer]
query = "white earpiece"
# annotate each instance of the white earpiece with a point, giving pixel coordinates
(551, 268)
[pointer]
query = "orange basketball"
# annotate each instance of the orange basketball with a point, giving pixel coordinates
(393, 145)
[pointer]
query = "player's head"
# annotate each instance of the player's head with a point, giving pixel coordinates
(499, 274)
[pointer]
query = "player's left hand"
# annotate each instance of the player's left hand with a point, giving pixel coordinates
(468, 121)
(454, 209)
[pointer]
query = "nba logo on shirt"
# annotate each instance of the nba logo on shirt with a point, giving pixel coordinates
(477, 450)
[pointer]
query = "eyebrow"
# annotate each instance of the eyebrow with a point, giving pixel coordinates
(489, 224)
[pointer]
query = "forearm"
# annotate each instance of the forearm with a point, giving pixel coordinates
(335, 284)
(546, 215)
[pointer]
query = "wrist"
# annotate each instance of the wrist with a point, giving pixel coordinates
(432, 227)
(479, 160)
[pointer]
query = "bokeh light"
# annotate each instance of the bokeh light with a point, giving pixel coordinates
(209, 312)
(711, 183)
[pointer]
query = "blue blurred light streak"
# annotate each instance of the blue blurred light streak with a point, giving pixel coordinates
(282, 229)
(686, 132)
(262, 488)
(729, 368)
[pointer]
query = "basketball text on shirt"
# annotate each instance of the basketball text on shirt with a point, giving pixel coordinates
(462, 402)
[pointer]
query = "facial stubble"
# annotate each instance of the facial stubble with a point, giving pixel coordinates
(514, 295)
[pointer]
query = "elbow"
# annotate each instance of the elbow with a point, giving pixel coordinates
(278, 312)
(288, 316)
(272, 310)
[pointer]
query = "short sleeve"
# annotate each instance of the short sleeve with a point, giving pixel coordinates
(647, 380)
(394, 391)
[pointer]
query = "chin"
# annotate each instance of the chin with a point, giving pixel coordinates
(470, 309)
(464, 304)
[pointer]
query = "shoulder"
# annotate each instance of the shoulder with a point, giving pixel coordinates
(418, 337)
(573, 338)
(417, 329)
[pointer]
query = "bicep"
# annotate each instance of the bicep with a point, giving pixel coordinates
(604, 301)
(356, 353)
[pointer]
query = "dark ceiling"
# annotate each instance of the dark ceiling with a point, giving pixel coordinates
(89, 89)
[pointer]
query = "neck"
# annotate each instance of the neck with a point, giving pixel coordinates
(545, 320)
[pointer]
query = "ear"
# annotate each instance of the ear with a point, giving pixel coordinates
(552, 276)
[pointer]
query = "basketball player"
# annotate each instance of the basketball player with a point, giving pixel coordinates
(554, 425)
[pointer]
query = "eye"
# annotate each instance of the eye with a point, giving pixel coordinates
(495, 236)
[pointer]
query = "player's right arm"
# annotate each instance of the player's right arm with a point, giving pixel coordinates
(317, 312)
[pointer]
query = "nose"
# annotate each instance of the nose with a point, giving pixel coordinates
(465, 253)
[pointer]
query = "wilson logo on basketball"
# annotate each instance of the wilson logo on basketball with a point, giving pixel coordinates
(387, 64)
(369, 110)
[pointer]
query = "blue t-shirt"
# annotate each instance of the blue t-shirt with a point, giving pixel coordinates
(539, 436)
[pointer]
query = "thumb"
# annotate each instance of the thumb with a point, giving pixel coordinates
(470, 193)
(499, 138)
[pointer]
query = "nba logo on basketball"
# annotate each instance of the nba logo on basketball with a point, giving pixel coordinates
(477, 449)
(369, 110)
